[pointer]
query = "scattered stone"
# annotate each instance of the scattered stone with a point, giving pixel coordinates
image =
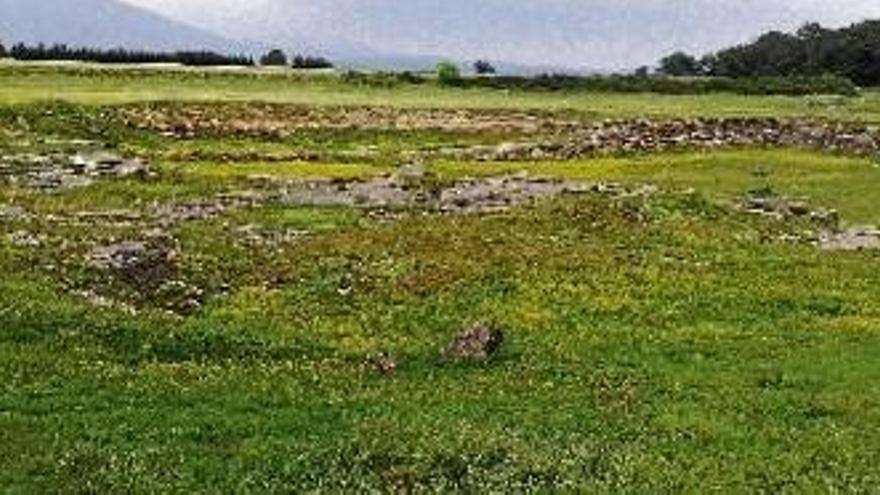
(382, 363)
(172, 214)
(55, 171)
(464, 196)
(851, 239)
(764, 203)
(586, 139)
(273, 120)
(479, 342)
(258, 236)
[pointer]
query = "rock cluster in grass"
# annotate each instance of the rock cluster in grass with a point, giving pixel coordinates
(278, 121)
(767, 204)
(461, 197)
(829, 233)
(54, 171)
(646, 136)
(149, 269)
(557, 137)
(478, 342)
(143, 264)
(859, 238)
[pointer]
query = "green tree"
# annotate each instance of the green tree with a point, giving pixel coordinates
(3, 53)
(448, 73)
(274, 57)
(484, 67)
(680, 64)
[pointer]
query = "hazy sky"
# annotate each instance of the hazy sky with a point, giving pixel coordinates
(581, 33)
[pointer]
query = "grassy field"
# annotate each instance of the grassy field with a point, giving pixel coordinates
(658, 342)
(27, 84)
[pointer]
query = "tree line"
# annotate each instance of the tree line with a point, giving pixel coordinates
(41, 52)
(813, 50)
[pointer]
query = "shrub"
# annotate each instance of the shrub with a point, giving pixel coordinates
(448, 74)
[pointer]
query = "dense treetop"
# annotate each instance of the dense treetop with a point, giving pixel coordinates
(852, 52)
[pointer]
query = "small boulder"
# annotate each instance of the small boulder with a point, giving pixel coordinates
(478, 342)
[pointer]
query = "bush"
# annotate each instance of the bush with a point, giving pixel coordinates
(275, 57)
(448, 74)
(3, 53)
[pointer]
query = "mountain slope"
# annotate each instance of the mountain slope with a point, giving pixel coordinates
(101, 23)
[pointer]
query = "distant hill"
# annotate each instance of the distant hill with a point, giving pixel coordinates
(103, 23)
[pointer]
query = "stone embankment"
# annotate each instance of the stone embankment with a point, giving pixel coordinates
(651, 136)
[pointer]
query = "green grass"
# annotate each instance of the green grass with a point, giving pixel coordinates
(667, 343)
(846, 183)
(20, 85)
(657, 355)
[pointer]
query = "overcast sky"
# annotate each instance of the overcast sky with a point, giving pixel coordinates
(575, 33)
